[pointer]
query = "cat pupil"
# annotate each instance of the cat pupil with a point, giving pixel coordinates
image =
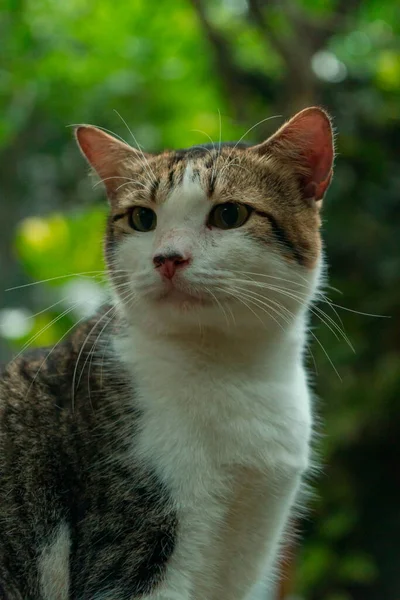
(229, 214)
(146, 218)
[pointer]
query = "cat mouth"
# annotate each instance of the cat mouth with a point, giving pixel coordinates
(182, 298)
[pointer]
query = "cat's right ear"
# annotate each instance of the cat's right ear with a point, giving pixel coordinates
(109, 157)
(305, 145)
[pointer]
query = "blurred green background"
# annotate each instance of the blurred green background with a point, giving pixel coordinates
(178, 71)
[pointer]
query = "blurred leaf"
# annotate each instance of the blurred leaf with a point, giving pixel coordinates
(57, 246)
(388, 70)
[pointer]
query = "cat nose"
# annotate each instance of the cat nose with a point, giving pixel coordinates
(167, 264)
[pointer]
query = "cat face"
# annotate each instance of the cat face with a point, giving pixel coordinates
(216, 236)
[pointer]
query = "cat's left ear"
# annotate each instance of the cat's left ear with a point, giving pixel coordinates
(110, 158)
(305, 145)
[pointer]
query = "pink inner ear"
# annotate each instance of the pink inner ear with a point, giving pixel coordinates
(307, 140)
(87, 140)
(318, 146)
(105, 154)
(101, 150)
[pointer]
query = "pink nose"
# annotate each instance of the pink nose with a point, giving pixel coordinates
(167, 264)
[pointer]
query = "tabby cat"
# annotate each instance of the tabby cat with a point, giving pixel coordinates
(157, 452)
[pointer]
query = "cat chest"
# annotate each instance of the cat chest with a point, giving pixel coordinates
(198, 438)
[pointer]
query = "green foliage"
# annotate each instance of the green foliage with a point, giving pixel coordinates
(44, 244)
(179, 77)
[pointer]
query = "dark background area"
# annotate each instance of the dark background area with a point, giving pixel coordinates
(179, 71)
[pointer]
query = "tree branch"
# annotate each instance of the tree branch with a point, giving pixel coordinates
(240, 84)
(294, 50)
(267, 32)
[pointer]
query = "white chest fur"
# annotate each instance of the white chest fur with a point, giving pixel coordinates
(230, 438)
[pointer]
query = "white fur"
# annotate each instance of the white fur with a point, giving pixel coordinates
(227, 419)
(53, 565)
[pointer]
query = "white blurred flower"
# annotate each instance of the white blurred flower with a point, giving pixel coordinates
(84, 295)
(328, 67)
(15, 322)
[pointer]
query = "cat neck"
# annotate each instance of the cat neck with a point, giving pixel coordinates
(275, 343)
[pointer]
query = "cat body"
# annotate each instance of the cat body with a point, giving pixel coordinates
(157, 452)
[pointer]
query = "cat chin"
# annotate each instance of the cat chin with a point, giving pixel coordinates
(182, 300)
(197, 319)
(173, 313)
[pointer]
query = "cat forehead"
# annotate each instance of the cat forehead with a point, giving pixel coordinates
(185, 177)
(199, 164)
(187, 199)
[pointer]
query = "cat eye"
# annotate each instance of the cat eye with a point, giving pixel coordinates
(142, 219)
(229, 215)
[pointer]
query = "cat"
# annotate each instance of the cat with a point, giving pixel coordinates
(158, 451)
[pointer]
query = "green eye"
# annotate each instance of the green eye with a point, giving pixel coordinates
(229, 215)
(142, 219)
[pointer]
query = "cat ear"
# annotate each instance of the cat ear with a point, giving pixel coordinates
(305, 144)
(108, 156)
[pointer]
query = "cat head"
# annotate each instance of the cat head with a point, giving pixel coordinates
(216, 236)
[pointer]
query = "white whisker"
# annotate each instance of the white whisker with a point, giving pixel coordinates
(144, 160)
(219, 304)
(52, 350)
(145, 187)
(130, 180)
(325, 352)
(242, 302)
(44, 329)
(40, 312)
(247, 132)
(84, 274)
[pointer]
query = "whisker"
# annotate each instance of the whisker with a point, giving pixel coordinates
(308, 347)
(256, 125)
(358, 312)
(98, 321)
(219, 304)
(248, 131)
(44, 329)
(272, 277)
(40, 312)
(145, 187)
(295, 294)
(209, 137)
(232, 164)
(84, 274)
(144, 161)
(318, 312)
(268, 305)
(130, 180)
(210, 152)
(232, 314)
(74, 387)
(92, 352)
(319, 293)
(264, 301)
(215, 167)
(52, 350)
(325, 352)
(102, 275)
(244, 303)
